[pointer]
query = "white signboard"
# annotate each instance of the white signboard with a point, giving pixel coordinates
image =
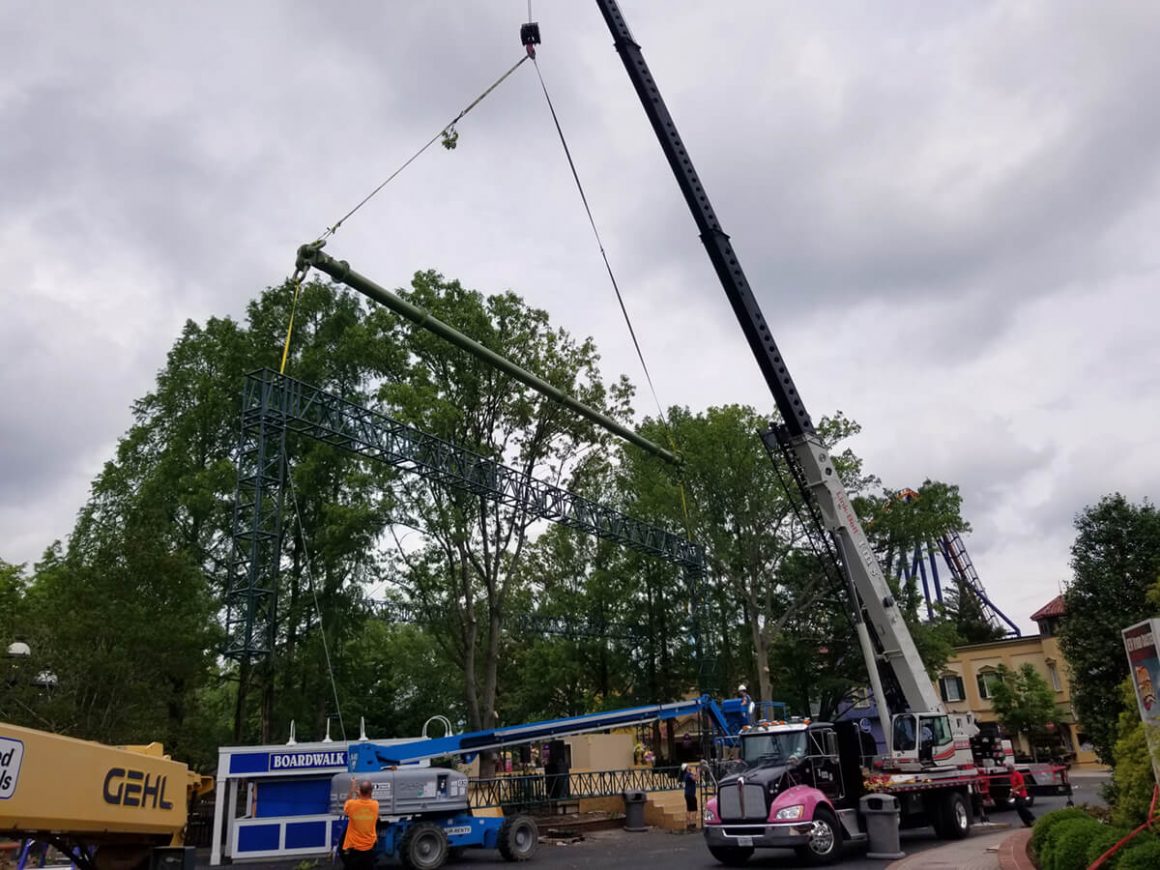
(11, 755)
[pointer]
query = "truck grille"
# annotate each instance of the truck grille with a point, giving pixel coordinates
(741, 801)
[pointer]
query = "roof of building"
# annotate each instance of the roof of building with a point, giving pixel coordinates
(1052, 608)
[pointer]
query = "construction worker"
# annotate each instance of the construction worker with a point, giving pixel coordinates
(1019, 793)
(689, 780)
(746, 702)
(362, 817)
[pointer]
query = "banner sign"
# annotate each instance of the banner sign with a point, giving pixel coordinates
(1141, 643)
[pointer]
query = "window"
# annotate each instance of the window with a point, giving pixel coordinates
(862, 698)
(951, 688)
(987, 680)
(1053, 672)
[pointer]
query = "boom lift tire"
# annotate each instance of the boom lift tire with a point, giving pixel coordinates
(826, 844)
(518, 838)
(956, 817)
(424, 847)
(731, 856)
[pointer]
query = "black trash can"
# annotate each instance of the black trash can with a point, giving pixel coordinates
(634, 811)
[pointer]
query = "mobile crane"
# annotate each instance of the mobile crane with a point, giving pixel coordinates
(813, 805)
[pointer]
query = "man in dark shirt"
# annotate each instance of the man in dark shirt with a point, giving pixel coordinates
(689, 780)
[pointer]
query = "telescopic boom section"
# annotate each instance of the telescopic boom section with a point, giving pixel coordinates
(895, 648)
(311, 257)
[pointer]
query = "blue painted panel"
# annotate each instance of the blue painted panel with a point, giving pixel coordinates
(293, 797)
(249, 762)
(258, 838)
(306, 835)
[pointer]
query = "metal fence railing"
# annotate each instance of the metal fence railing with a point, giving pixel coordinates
(532, 791)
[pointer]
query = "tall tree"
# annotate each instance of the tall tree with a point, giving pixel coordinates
(464, 578)
(1024, 703)
(1114, 560)
(730, 497)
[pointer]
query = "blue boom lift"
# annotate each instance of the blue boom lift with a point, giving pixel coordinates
(426, 811)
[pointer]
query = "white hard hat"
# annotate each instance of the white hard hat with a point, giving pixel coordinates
(741, 688)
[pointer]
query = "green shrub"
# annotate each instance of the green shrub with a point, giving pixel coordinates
(1066, 846)
(1103, 841)
(1143, 853)
(1045, 823)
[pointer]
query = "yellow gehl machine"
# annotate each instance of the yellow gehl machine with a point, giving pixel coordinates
(111, 805)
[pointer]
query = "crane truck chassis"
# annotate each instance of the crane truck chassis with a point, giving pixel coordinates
(801, 785)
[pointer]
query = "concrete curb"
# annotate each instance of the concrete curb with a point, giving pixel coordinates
(1013, 851)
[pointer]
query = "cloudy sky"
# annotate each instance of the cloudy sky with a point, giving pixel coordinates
(948, 212)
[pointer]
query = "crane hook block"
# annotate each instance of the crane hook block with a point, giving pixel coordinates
(530, 35)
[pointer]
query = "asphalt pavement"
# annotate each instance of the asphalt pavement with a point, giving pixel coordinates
(663, 850)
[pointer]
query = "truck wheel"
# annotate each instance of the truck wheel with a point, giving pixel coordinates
(956, 817)
(424, 847)
(731, 856)
(518, 838)
(825, 842)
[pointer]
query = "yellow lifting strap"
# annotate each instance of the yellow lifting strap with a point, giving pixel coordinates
(297, 279)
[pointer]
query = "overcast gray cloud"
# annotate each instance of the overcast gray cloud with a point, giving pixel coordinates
(947, 210)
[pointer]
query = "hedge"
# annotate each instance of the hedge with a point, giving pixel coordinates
(1143, 853)
(1066, 847)
(1045, 823)
(1103, 841)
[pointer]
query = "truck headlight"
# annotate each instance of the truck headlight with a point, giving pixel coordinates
(787, 813)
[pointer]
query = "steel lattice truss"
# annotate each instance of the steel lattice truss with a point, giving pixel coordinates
(274, 404)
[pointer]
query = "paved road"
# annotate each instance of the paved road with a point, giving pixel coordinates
(662, 850)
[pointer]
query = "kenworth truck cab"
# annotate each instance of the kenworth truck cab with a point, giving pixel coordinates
(800, 786)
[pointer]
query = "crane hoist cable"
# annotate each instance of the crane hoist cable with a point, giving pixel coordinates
(449, 136)
(317, 606)
(615, 286)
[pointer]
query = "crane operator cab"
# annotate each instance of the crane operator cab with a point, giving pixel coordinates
(924, 740)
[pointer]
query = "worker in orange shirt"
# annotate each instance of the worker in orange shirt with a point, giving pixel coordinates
(362, 816)
(1019, 793)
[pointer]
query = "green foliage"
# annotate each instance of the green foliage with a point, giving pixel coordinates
(965, 614)
(730, 497)
(1143, 853)
(128, 615)
(1067, 843)
(895, 527)
(1047, 822)
(1132, 777)
(1115, 561)
(1023, 701)
(1100, 843)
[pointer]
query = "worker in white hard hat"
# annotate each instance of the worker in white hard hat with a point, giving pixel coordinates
(746, 701)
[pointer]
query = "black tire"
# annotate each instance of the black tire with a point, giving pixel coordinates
(424, 847)
(956, 817)
(518, 838)
(826, 842)
(731, 856)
